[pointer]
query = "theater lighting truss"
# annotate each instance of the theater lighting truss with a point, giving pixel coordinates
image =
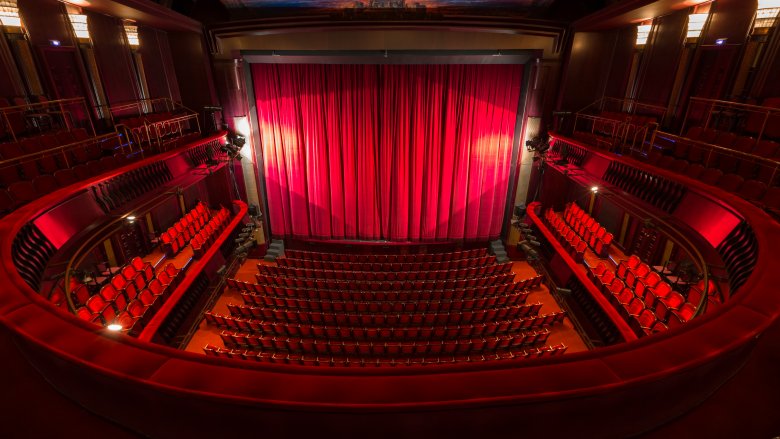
(79, 23)
(132, 35)
(9, 14)
(642, 33)
(696, 25)
(766, 15)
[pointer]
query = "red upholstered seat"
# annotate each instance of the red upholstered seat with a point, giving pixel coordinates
(730, 182)
(23, 191)
(647, 320)
(752, 190)
(711, 176)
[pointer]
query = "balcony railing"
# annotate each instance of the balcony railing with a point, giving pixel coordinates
(30, 119)
(753, 120)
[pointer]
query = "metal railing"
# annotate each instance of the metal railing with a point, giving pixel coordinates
(62, 114)
(711, 155)
(62, 152)
(143, 107)
(619, 125)
(625, 106)
(732, 117)
(160, 134)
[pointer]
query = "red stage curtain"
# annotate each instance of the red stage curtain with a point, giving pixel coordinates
(387, 152)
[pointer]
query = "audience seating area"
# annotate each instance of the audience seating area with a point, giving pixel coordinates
(173, 240)
(128, 297)
(206, 236)
(645, 300)
(340, 310)
(752, 175)
(587, 228)
(577, 231)
(35, 166)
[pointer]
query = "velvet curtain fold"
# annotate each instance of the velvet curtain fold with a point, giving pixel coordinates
(386, 152)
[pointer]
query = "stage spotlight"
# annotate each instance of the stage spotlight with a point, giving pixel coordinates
(114, 327)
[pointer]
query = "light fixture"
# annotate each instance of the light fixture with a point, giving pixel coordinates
(114, 327)
(696, 24)
(594, 189)
(54, 43)
(79, 23)
(766, 15)
(721, 41)
(9, 13)
(642, 33)
(132, 35)
(130, 218)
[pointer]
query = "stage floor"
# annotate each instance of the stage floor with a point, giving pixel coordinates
(561, 333)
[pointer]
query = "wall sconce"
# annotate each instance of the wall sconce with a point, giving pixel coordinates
(696, 25)
(131, 32)
(642, 33)
(766, 15)
(9, 14)
(79, 24)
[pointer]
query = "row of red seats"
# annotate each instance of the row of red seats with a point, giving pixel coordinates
(46, 159)
(18, 114)
(381, 276)
(702, 160)
(593, 233)
(324, 284)
(399, 333)
(387, 266)
(387, 306)
(173, 240)
(390, 296)
(206, 236)
(129, 295)
(752, 188)
(477, 345)
(407, 291)
(345, 361)
(416, 257)
(764, 148)
(566, 235)
(647, 302)
(378, 319)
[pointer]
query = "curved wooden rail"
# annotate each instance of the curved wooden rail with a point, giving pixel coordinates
(158, 391)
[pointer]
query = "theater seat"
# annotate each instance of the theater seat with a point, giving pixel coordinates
(711, 176)
(6, 202)
(730, 182)
(771, 198)
(752, 190)
(45, 184)
(9, 175)
(695, 170)
(22, 191)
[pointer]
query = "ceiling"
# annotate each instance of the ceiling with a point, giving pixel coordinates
(211, 11)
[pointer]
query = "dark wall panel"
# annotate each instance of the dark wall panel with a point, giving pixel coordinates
(730, 19)
(158, 65)
(589, 64)
(45, 20)
(193, 71)
(112, 54)
(625, 46)
(661, 59)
